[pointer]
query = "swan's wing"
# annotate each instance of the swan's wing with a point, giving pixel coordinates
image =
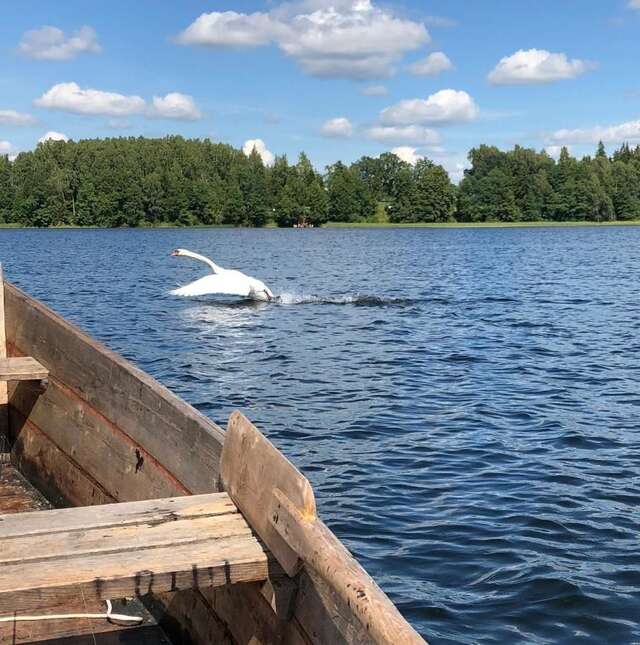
(221, 283)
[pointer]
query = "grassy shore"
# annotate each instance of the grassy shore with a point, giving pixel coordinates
(536, 224)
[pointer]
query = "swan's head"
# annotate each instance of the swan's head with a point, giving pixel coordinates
(179, 252)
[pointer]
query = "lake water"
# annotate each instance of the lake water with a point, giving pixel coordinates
(466, 403)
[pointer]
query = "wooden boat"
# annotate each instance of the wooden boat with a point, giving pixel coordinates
(111, 487)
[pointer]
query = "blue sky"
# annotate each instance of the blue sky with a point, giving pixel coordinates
(446, 76)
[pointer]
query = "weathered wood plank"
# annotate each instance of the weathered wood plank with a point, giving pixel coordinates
(251, 468)
(4, 413)
(122, 467)
(54, 474)
(324, 553)
(184, 441)
(82, 631)
(153, 552)
(22, 368)
(188, 618)
(147, 512)
(207, 564)
(16, 494)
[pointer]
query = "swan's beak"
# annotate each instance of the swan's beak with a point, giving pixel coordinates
(175, 253)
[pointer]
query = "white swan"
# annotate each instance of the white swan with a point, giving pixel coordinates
(222, 281)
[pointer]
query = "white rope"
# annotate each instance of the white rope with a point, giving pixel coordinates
(108, 616)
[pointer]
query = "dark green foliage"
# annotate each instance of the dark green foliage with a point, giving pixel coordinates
(146, 182)
(522, 184)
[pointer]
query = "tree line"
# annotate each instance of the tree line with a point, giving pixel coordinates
(175, 181)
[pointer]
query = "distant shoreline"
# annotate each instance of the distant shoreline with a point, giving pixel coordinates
(533, 224)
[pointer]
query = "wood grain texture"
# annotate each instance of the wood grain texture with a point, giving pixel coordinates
(56, 475)
(4, 413)
(154, 551)
(123, 468)
(82, 631)
(251, 469)
(16, 494)
(184, 441)
(326, 555)
(21, 368)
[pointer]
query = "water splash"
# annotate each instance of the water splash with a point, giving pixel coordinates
(357, 299)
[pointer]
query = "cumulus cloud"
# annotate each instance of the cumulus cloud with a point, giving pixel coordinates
(409, 134)
(340, 127)
(52, 135)
(621, 133)
(374, 90)
(69, 97)
(432, 65)
(51, 43)
(5, 147)
(345, 39)
(176, 106)
(536, 66)
(408, 154)
(443, 107)
(260, 147)
(13, 118)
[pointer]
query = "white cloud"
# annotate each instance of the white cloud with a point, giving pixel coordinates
(432, 65)
(443, 107)
(230, 29)
(536, 66)
(338, 127)
(5, 147)
(554, 151)
(409, 134)
(176, 106)
(374, 90)
(71, 98)
(260, 147)
(52, 135)
(342, 39)
(633, 4)
(13, 118)
(623, 132)
(408, 154)
(51, 43)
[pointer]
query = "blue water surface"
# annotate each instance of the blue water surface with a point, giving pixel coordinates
(465, 402)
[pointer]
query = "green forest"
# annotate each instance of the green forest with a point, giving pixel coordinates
(175, 181)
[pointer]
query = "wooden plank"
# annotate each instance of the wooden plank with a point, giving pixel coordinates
(177, 436)
(4, 412)
(105, 516)
(188, 618)
(154, 552)
(54, 474)
(22, 368)
(251, 468)
(122, 467)
(83, 631)
(16, 494)
(210, 564)
(325, 554)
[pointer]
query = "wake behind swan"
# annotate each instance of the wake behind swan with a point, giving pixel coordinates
(222, 281)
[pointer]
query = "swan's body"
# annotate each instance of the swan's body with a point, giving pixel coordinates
(222, 281)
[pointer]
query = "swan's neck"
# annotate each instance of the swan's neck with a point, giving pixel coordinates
(196, 256)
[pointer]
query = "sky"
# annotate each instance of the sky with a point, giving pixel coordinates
(336, 78)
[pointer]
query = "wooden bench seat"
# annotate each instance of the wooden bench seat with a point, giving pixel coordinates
(22, 368)
(126, 550)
